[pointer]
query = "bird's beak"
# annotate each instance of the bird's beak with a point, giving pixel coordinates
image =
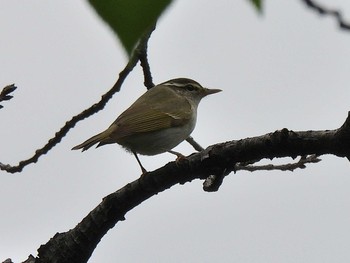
(211, 91)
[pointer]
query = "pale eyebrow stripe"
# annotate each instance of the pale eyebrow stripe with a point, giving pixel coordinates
(180, 84)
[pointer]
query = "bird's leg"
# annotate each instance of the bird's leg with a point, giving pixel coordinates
(180, 157)
(144, 171)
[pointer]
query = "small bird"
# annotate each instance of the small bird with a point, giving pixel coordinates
(157, 121)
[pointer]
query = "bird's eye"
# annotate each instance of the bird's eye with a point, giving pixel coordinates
(190, 87)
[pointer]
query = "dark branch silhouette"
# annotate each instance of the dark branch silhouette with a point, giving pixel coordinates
(77, 244)
(86, 113)
(5, 93)
(301, 164)
(327, 11)
(143, 57)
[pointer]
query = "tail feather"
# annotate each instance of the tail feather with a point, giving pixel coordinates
(90, 142)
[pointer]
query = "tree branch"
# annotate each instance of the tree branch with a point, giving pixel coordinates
(5, 93)
(86, 113)
(301, 164)
(148, 82)
(327, 11)
(213, 182)
(77, 244)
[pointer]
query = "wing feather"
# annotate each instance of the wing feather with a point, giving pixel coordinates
(143, 117)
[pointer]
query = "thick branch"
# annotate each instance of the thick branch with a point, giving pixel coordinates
(78, 244)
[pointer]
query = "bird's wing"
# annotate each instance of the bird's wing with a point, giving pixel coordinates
(145, 117)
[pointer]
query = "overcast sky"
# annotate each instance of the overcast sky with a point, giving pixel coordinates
(288, 68)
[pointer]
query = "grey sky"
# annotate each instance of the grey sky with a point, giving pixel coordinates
(288, 68)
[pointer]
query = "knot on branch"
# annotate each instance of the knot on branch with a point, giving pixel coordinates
(343, 139)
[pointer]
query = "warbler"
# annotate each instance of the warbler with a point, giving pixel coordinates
(156, 122)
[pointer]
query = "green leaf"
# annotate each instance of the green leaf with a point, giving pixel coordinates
(129, 19)
(257, 4)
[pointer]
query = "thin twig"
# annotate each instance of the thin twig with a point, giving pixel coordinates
(86, 113)
(4, 94)
(283, 167)
(213, 182)
(148, 82)
(327, 11)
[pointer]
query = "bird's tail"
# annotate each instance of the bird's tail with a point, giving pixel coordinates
(92, 141)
